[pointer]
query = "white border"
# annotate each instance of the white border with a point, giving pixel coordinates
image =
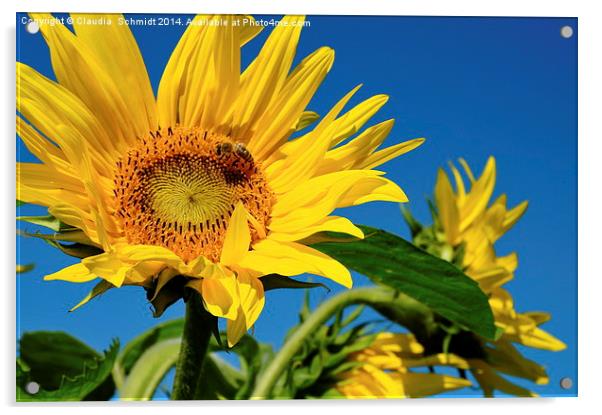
(590, 206)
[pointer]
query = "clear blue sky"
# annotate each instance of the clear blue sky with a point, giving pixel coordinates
(473, 87)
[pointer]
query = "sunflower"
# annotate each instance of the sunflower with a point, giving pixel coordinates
(467, 226)
(384, 370)
(204, 180)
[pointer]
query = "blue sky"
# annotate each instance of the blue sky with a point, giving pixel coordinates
(473, 87)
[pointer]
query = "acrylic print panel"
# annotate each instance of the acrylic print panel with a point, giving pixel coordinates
(211, 207)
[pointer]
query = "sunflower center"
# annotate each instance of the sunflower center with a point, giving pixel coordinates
(178, 187)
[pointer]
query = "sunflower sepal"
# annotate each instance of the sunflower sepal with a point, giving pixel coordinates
(74, 236)
(46, 221)
(99, 289)
(275, 282)
(413, 224)
(162, 297)
(76, 250)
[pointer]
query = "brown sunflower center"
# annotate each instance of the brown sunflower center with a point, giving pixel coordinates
(179, 186)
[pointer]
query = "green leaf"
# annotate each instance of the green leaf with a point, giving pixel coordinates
(52, 355)
(93, 382)
(390, 260)
(149, 369)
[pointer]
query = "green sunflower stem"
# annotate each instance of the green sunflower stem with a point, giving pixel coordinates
(372, 296)
(195, 343)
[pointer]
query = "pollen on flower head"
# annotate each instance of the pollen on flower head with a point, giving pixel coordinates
(178, 187)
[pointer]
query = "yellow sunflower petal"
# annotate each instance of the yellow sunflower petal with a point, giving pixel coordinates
(372, 189)
(439, 359)
(49, 197)
(467, 169)
(459, 184)
(343, 127)
(328, 224)
(490, 381)
(510, 262)
(40, 176)
(48, 153)
(252, 301)
(118, 55)
(448, 210)
(201, 79)
(354, 119)
(62, 117)
(238, 237)
(219, 290)
(315, 199)
(302, 164)
(100, 200)
(480, 193)
(419, 385)
(236, 328)
(132, 264)
(538, 317)
(354, 153)
(265, 76)
(74, 273)
(523, 330)
(491, 277)
(279, 119)
(74, 216)
(396, 342)
(249, 30)
(109, 267)
(389, 153)
(223, 78)
(505, 358)
(513, 215)
(290, 258)
(89, 82)
(145, 253)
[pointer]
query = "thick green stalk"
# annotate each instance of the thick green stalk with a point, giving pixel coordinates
(195, 342)
(371, 296)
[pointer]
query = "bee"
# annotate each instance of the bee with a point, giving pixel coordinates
(223, 149)
(242, 152)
